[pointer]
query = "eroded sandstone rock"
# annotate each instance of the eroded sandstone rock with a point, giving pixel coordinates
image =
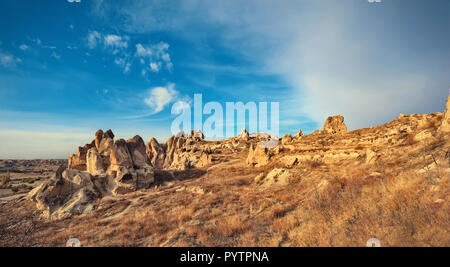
(287, 139)
(68, 192)
(445, 126)
(98, 169)
(278, 177)
(299, 134)
(258, 156)
(335, 125)
(244, 135)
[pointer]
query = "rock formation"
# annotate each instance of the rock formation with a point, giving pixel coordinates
(156, 153)
(287, 138)
(445, 126)
(258, 156)
(197, 135)
(68, 192)
(244, 135)
(101, 168)
(335, 125)
(299, 134)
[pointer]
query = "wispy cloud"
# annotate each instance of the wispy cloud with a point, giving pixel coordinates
(23, 47)
(153, 57)
(159, 97)
(93, 39)
(55, 55)
(116, 41)
(8, 60)
(124, 64)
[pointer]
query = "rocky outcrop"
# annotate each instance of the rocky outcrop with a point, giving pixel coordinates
(299, 134)
(180, 152)
(277, 177)
(335, 125)
(103, 142)
(287, 139)
(101, 168)
(130, 167)
(78, 161)
(445, 125)
(258, 156)
(156, 153)
(68, 192)
(244, 135)
(197, 135)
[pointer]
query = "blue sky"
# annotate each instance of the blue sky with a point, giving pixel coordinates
(68, 68)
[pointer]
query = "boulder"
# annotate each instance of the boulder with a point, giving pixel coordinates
(67, 193)
(258, 156)
(334, 125)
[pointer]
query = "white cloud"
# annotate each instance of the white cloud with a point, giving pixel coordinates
(154, 67)
(124, 64)
(93, 39)
(181, 105)
(7, 60)
(55, 56)
(74, 1)
(160, 97)
(23, 47)
(115, 41)
(156, 55)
